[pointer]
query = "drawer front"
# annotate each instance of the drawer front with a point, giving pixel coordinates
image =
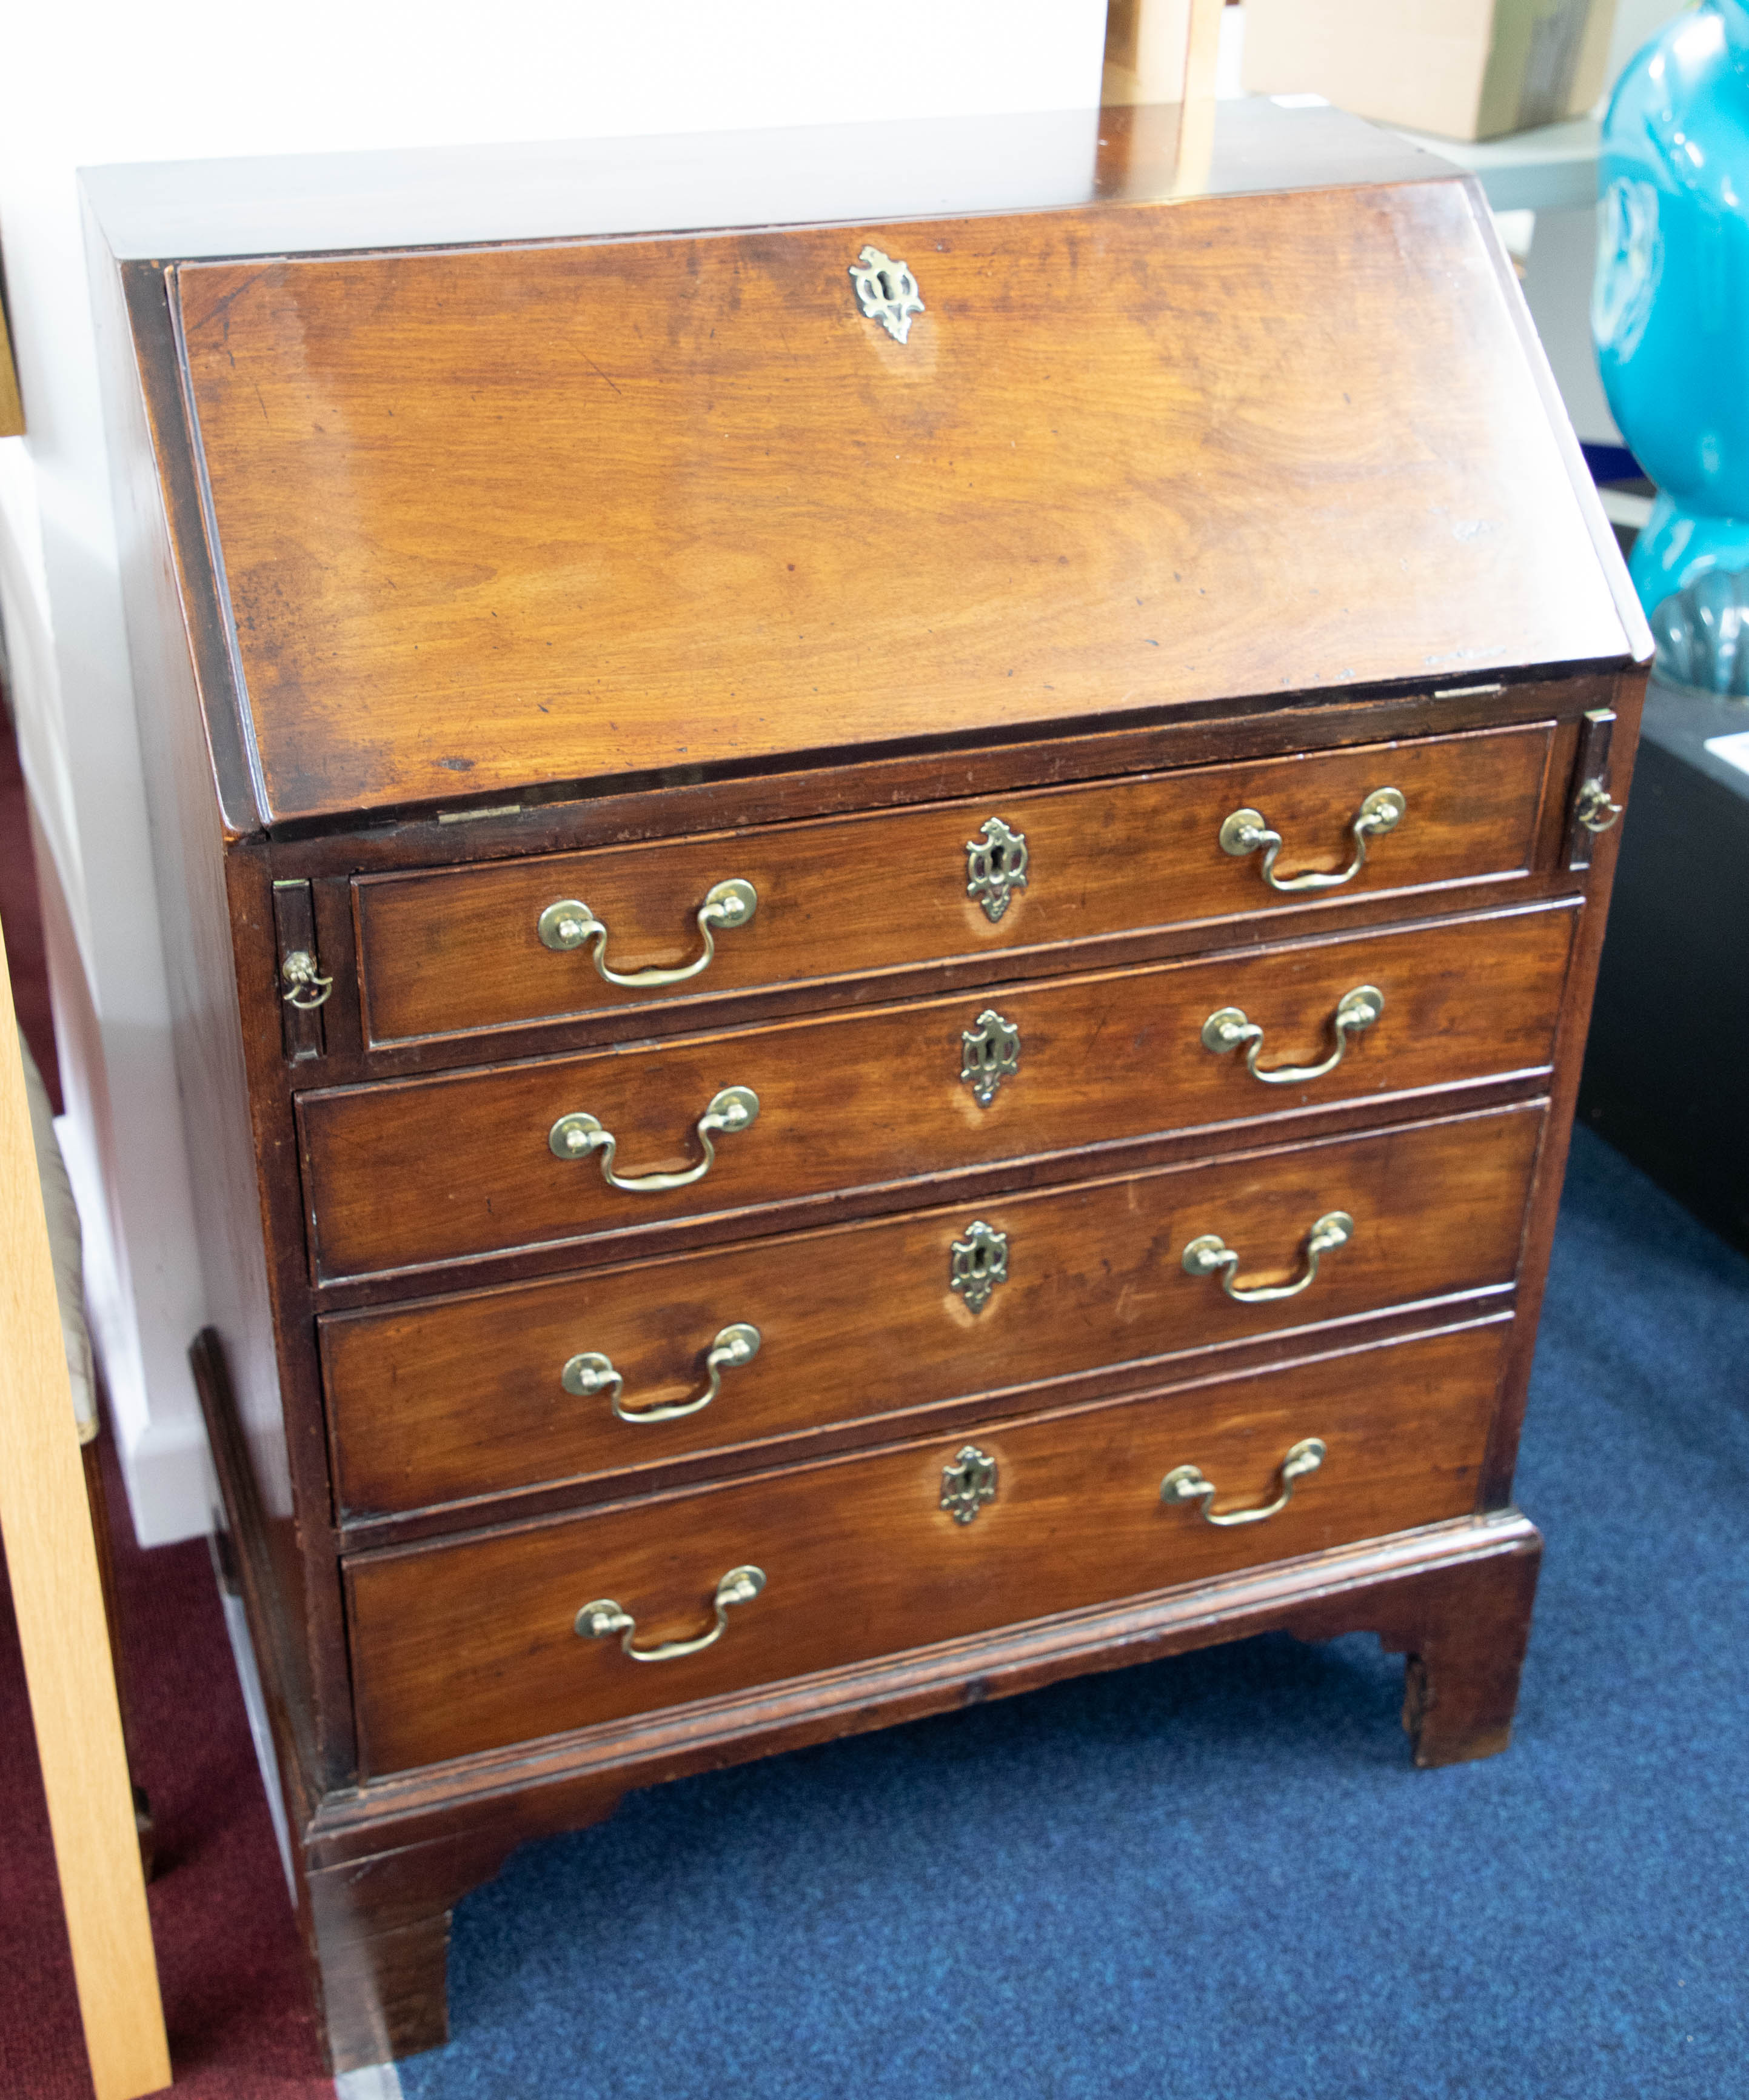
(467, 1646)
(440, 1402)
(423, 1171)
(449, 952)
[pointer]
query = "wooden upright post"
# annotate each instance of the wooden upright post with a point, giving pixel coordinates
(51, 1557)
(1162, 51)
(1167, 50)
(1196, 124)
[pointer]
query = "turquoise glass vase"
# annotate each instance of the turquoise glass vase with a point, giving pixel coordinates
(1670, 306)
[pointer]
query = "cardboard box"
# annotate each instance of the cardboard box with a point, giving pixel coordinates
(1462, 68)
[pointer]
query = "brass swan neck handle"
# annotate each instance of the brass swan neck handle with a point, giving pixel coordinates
(603, 1618)
(1190, 1484)
(589, 1373)
(1244, 831)
(1228, 1030)
(1209, 1255)
(577, 1135)
(570, 924)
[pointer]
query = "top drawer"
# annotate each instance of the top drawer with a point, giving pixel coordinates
(455, 952)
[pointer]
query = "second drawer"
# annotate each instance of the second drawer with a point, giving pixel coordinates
(410, 1174)
(457, 1398)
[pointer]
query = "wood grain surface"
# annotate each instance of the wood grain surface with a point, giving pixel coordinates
(215, 898)
(461, 1647)
(421, 1171)
(52, 1566)
(496, 518)
(462, 1397)
(448, 953)
(586, 564)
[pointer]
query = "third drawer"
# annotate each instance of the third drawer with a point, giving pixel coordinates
(448, 1400)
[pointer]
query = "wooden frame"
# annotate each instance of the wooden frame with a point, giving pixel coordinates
(51, 1557)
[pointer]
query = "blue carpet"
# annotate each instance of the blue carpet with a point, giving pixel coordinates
(1219, 1875)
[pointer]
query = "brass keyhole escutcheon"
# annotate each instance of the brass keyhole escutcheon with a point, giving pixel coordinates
(968, 1484)
(978, 1264)
(886, 291)
(995, 866)
(990, 1053)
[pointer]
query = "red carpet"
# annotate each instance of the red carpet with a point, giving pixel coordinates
(241, 2024)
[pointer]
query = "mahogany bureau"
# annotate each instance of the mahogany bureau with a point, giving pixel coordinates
(883, 856)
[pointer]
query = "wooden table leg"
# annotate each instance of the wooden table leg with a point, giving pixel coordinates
(1463, 1630)
(97, 1500)
(1460, 1685)
(381, 1933)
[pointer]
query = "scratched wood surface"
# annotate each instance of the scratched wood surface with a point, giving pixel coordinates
(459, 1398)
(496, 518)
(455, 951)
(421, 1171)
(458, 1648)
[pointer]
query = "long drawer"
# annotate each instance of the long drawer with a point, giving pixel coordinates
(711, 1354)
(449, 952)
(418, 1172)
(464, 1646)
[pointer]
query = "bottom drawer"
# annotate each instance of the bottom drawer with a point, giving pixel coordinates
(467, 1646)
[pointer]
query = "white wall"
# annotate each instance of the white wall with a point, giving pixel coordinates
(188, 79)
